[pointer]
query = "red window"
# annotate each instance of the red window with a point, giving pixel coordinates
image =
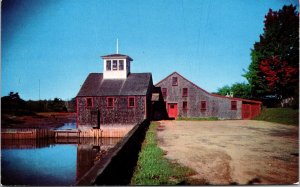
(184, 105)
(233, 105)
(89, 102)
(110, 102)
(174, 81)
(115, 65)
(131, 102)
(164, 92)
(121, 64)
(184, 92)
(203, 106)
(108, 65)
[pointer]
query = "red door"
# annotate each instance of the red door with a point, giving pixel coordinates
(246, 111)
(172, 110)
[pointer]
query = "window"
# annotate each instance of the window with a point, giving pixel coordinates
(164, 92)
(121, 64)
(110, 102)
(89, 102)
(184, 92)
(131, 102)
(233, 105)
(174, 81)
(184, 105)
(115, 65)
(108, 65)
(203, 106)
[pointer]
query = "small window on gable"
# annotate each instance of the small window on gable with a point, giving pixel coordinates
(110, 102)
(164, 92)
(89, 102)
(184, 105)
(108, 65)
(115, 65)
(184, 92)
(121, 64)
(203, 106)
(233, 105)
(174, 81)
(131, 102)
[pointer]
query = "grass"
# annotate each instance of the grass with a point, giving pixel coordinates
(153, 168)
(279, 115)
(197, 119)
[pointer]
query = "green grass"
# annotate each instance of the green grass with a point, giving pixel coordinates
(197, 119)
(153, 168)
(279, 115)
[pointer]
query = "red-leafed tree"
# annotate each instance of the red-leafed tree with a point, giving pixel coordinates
(274, 69)
(278, 74)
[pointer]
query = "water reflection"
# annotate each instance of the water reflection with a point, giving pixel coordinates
(67, 126)
(45, 162)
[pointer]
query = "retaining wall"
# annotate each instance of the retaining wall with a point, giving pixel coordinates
(117, 167)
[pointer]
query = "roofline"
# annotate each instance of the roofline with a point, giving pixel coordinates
(112, 95)
(214, 95)
(116, 56)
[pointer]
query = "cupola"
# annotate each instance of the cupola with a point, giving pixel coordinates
(116, 66)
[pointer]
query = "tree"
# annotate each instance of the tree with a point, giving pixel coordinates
(224, 90)
(274, 68)
(241, 90)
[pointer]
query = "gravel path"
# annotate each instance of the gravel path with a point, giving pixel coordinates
(233, 151)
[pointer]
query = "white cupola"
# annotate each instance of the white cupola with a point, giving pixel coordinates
(116, 66)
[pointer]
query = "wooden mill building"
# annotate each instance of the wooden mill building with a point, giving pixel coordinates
(185, 99)
(115, 96)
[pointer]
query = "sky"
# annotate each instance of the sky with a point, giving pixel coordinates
(50, 46)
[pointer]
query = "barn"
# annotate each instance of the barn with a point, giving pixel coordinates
(185, 99)
(114, 97)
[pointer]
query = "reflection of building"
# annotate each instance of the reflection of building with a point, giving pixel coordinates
(115, 96)
(89, 150)
(184, 98)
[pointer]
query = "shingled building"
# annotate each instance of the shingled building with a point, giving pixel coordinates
(115, 96)
(185, 99)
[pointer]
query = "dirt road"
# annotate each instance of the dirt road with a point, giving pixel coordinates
(233, 152)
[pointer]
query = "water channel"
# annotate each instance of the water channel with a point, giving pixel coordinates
(46, 162)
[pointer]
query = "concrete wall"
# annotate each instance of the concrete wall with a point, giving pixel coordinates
(117, 167)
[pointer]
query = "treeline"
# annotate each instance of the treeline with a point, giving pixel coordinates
(14, 103)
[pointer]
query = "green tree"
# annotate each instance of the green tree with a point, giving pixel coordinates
(224, 90)
(240, 90)
(277, 49)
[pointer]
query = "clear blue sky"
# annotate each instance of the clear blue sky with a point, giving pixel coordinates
(59, 42)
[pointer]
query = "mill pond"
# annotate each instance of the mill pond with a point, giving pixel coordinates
(50, 162)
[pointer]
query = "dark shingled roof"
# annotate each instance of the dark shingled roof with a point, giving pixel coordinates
(135, 84)
(117, 56)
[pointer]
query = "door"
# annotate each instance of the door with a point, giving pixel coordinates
(246, 111)
(172, 110)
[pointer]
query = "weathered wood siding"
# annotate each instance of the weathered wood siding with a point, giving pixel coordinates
(119, 114)
(215, 106)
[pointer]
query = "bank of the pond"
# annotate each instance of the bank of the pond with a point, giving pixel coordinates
(153, 169)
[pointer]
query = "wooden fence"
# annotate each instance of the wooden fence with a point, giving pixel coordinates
(26, 133)
(105, 132)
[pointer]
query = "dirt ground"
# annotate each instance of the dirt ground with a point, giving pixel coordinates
(45, 120)
(233, 151)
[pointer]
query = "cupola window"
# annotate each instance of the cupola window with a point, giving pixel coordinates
(121, 65)
(108, 65)
(115, 65)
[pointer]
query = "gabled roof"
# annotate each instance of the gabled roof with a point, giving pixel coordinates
(135, 84)
(214, 95)
(116, 56)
